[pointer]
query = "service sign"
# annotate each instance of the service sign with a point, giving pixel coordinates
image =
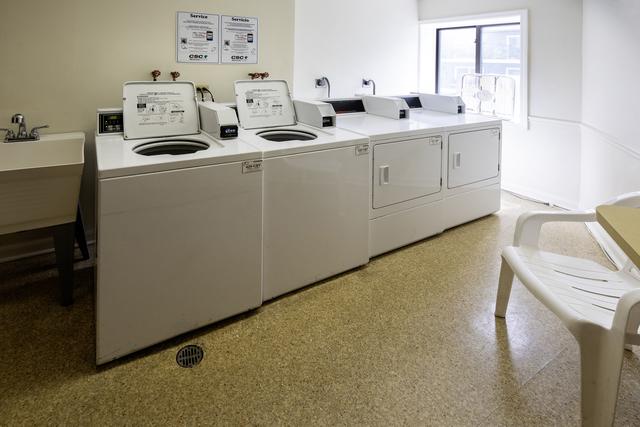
(239, 40)
(198, 37)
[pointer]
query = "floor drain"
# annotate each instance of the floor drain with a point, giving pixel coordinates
(189, 356)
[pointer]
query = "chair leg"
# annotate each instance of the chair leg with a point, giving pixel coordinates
(63, 237)
(504, 289)
(600, 366)
(632, 325)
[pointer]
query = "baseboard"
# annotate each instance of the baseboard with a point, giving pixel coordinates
(540, 196)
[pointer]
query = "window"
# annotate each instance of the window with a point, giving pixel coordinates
(500, 49)
(455, 56)
(492, 46)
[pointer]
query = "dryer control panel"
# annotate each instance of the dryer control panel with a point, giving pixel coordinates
(386, 106)
(315, 113)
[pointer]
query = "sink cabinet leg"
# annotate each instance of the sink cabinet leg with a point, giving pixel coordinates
(64, 240)
(81, 237)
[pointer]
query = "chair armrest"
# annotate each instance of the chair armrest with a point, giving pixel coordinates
(529, 224)
(623, 309)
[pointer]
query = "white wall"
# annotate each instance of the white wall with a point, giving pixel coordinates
(555, 45)
(544, 160)
(611, 100)
(347, 40)
(583, 145)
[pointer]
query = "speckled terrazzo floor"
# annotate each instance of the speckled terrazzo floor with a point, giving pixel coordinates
(408, 339)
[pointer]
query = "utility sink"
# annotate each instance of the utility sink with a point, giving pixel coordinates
(40, 181)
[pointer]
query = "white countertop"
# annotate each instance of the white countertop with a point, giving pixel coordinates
(438, 119)
(382, 128)
(115, 155)
(420, 122)
(326, 139)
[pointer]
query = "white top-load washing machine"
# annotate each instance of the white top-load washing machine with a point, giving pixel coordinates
(406, 170)
(471, 159)
(315, 190)
(179, 222)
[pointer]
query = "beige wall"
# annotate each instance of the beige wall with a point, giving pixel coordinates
(63, 59)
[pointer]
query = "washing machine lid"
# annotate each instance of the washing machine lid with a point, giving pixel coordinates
(159, 109)
(264, 103)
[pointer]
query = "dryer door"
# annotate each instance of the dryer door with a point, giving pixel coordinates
(406, 170)
(473, 157)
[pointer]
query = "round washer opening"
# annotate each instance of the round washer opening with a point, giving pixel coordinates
(281, 135)
(175, 147)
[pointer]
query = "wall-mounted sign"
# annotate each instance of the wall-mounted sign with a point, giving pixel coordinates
(198, 37)
(239, 40)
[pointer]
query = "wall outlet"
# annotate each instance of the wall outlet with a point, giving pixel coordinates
(202, 86)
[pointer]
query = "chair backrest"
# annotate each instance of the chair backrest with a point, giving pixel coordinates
(631, 200)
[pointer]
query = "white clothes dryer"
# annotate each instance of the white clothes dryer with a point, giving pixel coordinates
(471, 161)
(406, 174)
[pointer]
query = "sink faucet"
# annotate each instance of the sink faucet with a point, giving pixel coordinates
(22, 125)
(22, 134)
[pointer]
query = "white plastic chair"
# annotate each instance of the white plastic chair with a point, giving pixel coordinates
(598, 306)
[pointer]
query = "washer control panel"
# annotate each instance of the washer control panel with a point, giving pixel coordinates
(110, 121)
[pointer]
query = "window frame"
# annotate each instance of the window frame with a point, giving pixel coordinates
(427, 51)
(477, 42)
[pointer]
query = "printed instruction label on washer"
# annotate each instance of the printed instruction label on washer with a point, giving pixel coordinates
(265, 102)
(159, 108)
(251, 166)
(362, 149)
(239, 40)
(198, 37)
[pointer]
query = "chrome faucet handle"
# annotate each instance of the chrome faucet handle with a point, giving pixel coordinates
(34, 132)
(9, 135)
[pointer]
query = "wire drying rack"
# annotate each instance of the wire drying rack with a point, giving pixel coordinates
(489, 94)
